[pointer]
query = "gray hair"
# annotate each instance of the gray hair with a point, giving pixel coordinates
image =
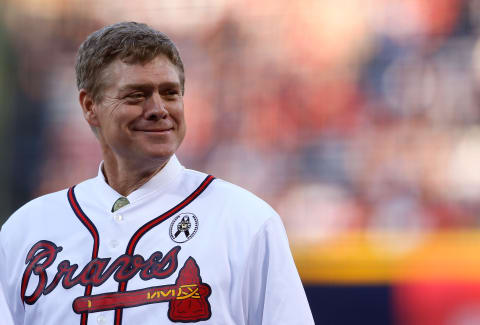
(130, 42)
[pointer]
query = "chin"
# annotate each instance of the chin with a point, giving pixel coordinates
(160, 154)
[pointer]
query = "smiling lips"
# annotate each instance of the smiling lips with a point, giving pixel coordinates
(164, 130)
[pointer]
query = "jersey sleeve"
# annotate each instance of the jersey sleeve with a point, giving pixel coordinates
(4, 309)
(8, 297)
(272, 290)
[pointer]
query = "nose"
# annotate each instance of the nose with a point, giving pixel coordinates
(155, 108)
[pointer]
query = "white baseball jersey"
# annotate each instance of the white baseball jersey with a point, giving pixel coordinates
(6, 316)
(188, 248)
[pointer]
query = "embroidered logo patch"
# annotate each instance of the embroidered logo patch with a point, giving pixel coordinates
(183, 227)
(188, 297)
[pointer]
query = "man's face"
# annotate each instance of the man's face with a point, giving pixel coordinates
(140, 115)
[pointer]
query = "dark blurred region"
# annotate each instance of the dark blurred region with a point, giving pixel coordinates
(357, 120)
(22, 123)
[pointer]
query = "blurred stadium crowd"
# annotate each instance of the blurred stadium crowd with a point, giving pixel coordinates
(346, 116)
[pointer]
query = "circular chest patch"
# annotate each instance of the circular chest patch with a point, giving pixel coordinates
(183, 227)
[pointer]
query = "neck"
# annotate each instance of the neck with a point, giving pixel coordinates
(127, 177)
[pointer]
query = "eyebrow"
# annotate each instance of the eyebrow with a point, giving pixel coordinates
(147, 86)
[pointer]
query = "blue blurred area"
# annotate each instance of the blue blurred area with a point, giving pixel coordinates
(346, 305)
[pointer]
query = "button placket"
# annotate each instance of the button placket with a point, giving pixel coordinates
(114, 243)
(101, 319)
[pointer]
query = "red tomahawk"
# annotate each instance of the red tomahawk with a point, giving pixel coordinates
(188, 297)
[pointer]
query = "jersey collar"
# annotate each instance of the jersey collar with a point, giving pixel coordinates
(156, 184)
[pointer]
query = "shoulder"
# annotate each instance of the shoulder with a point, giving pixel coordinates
(41, 211)
(235, 202)
(241, 198)
(33, 220)
(50, 204)
(34, 207)
(46, 217)
(237, 195)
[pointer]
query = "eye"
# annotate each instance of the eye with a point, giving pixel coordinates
(135, 97)
(171, 93)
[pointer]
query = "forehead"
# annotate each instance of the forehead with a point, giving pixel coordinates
(157, 71)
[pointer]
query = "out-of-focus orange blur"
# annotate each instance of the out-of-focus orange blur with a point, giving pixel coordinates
(357, 120)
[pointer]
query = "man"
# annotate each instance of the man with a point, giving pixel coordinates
(4, 310)
(146, 241)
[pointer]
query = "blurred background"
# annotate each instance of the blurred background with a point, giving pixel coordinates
(357, 120)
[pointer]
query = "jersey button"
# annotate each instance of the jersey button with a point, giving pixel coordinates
(118, 217)
(114, 243)
(101, 319)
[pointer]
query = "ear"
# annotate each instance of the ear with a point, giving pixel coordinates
(89, 108)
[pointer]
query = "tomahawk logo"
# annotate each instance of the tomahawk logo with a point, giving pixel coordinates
(187, 297)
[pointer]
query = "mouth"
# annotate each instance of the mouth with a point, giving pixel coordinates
(155, 131)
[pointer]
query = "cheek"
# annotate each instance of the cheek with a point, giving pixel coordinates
(177, 113)
(182, 124)
(122, 116)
